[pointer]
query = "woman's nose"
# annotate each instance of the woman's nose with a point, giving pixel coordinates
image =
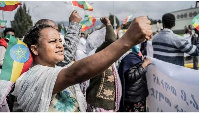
(59, 44)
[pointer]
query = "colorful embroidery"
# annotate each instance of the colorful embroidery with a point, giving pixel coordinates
(65, 101)
(107, 92)
(107, 80)
(111, 78)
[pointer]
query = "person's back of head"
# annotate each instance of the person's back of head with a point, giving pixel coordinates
(9, 31)
(168, 20)
(47, 22)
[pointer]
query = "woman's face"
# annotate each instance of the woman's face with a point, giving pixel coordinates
(50, 49)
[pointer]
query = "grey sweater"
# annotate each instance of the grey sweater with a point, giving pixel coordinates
(170, 47)
(71, 41)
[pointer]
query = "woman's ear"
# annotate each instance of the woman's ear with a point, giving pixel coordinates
(34, 49)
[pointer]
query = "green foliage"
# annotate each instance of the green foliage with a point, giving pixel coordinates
(154, 21)
(22, 21)
(111, 18)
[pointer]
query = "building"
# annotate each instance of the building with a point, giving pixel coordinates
(183, 19)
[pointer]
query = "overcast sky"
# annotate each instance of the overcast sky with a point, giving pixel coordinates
(60, 10)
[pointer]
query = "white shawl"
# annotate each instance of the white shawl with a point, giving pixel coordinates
(34, 88)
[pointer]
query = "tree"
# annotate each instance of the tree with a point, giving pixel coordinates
(154, 21)
(22, 21)
(111, 18)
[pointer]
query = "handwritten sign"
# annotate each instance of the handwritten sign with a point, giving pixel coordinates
(172, 88)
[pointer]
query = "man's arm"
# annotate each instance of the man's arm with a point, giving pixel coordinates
(187, 47)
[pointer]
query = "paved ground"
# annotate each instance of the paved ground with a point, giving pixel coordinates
(189, 61)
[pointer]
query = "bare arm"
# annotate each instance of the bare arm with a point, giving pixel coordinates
(93, 65)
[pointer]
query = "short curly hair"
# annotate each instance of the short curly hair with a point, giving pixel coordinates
(8, 30)
(168, 20)
(33, 34)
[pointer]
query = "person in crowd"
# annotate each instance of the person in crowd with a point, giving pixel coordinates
(124, 23)
(71, 38)
(105, 89)
(81, 48)
(187, 36)
(195, 41)
(4, 42)
(170, 47)
(70, 46)
(143, 48)
(37, 88)
(133, 79)
(3, 45)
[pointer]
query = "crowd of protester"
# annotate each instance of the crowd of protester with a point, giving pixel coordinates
(110, 77)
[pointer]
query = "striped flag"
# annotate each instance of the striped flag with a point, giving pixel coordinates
(87, 24)
(17, 59)
(3, 23)
(83, 4)
(9, 5)
(195, 22)
(127, 19)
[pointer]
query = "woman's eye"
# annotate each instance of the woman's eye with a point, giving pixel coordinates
(52, 41)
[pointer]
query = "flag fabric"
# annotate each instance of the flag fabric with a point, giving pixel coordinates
(9, 5)
(63, 31)
(127, 18)
(3, 23)
(195, 22)
(87, 24)
(124, 30)
(83, 4)
(17, 60)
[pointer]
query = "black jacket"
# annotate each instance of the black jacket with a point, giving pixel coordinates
(132, 76)
(136, 84)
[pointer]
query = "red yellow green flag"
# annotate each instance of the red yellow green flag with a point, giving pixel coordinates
(83, 4)
(127, 18)
(195, 22)
(17, 60)
(88, 23)
(9, 5)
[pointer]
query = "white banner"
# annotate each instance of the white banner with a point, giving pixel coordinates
(172, 88)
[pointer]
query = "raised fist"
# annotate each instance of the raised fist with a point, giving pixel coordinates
(105, 21)
(75, 17)
(139, 30)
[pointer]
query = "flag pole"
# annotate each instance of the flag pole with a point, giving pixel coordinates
(72, 5)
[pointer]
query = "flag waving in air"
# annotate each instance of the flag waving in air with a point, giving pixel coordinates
(86, 24)
(9, 5)
(83, 4)
(195, 22)
(17, 59)
(127, 19)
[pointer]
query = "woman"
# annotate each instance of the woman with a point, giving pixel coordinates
(37, 89)
(105, 88)
(134, 85)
